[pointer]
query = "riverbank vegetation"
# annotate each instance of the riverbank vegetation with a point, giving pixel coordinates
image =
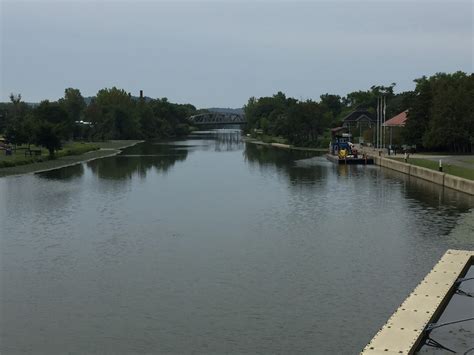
(21, 154)
(440, 114)
(71, 153)
(112, 114)
(307, 123)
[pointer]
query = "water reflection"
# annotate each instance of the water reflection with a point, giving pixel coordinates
(124, 167)
(156, 149)
(429, 194)
(159, 156)
(228, 140)
(271, 160)
(220, 139)
(138, 161)
(65, 174)
(354, 192)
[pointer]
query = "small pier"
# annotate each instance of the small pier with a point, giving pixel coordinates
(407, 328)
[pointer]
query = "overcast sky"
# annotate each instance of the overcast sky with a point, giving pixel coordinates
(219, 53)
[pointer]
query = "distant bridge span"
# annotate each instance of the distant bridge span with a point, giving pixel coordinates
(217, 118)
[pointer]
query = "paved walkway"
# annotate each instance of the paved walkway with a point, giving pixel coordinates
(464, 161)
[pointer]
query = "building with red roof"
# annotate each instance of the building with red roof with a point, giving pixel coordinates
(398, 120)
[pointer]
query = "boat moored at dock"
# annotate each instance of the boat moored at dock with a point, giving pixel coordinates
(364, 160)
(342, 151)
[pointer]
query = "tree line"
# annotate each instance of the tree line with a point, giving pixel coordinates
(440, 113)
(440, 116)
(307, 123)
(112, 114)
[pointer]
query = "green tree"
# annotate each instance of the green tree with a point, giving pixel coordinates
(73, 103)
(368, 99)
(55, 114)
(116, 119)
(399, 103)
(441, 113)
(300, 123)
(171, 118)
(450, 125)
(419, 113)
(148, 124)
(114, 97)
(307, 121)
(18, 108)
(15, 114)
(332, 103)
(15, 133)
(48, 136)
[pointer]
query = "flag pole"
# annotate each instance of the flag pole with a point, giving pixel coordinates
(384, 118)
(377, 125)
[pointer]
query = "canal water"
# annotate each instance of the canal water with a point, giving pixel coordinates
(213, 245)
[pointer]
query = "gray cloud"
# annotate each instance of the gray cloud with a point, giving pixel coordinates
(220, 53)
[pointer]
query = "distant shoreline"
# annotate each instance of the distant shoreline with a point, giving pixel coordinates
(107, 149)
(283, 146)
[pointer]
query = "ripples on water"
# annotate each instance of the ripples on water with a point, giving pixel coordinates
(210, 245)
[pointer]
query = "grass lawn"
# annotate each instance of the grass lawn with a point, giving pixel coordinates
(272, 139)
(115, 144)
(447, 168)
(72, 153)
(19, 158)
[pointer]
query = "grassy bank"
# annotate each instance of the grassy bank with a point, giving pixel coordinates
(271, 139)
(116, 144)
(283, 145)
(72, 153)
(447, 168)
(321, 145)
(18, 156)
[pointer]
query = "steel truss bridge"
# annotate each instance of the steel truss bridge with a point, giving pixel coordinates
(217, 118)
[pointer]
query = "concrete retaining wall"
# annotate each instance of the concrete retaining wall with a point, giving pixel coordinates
(460, 184)
(427, 174)
(395, 165)
(450, 181)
